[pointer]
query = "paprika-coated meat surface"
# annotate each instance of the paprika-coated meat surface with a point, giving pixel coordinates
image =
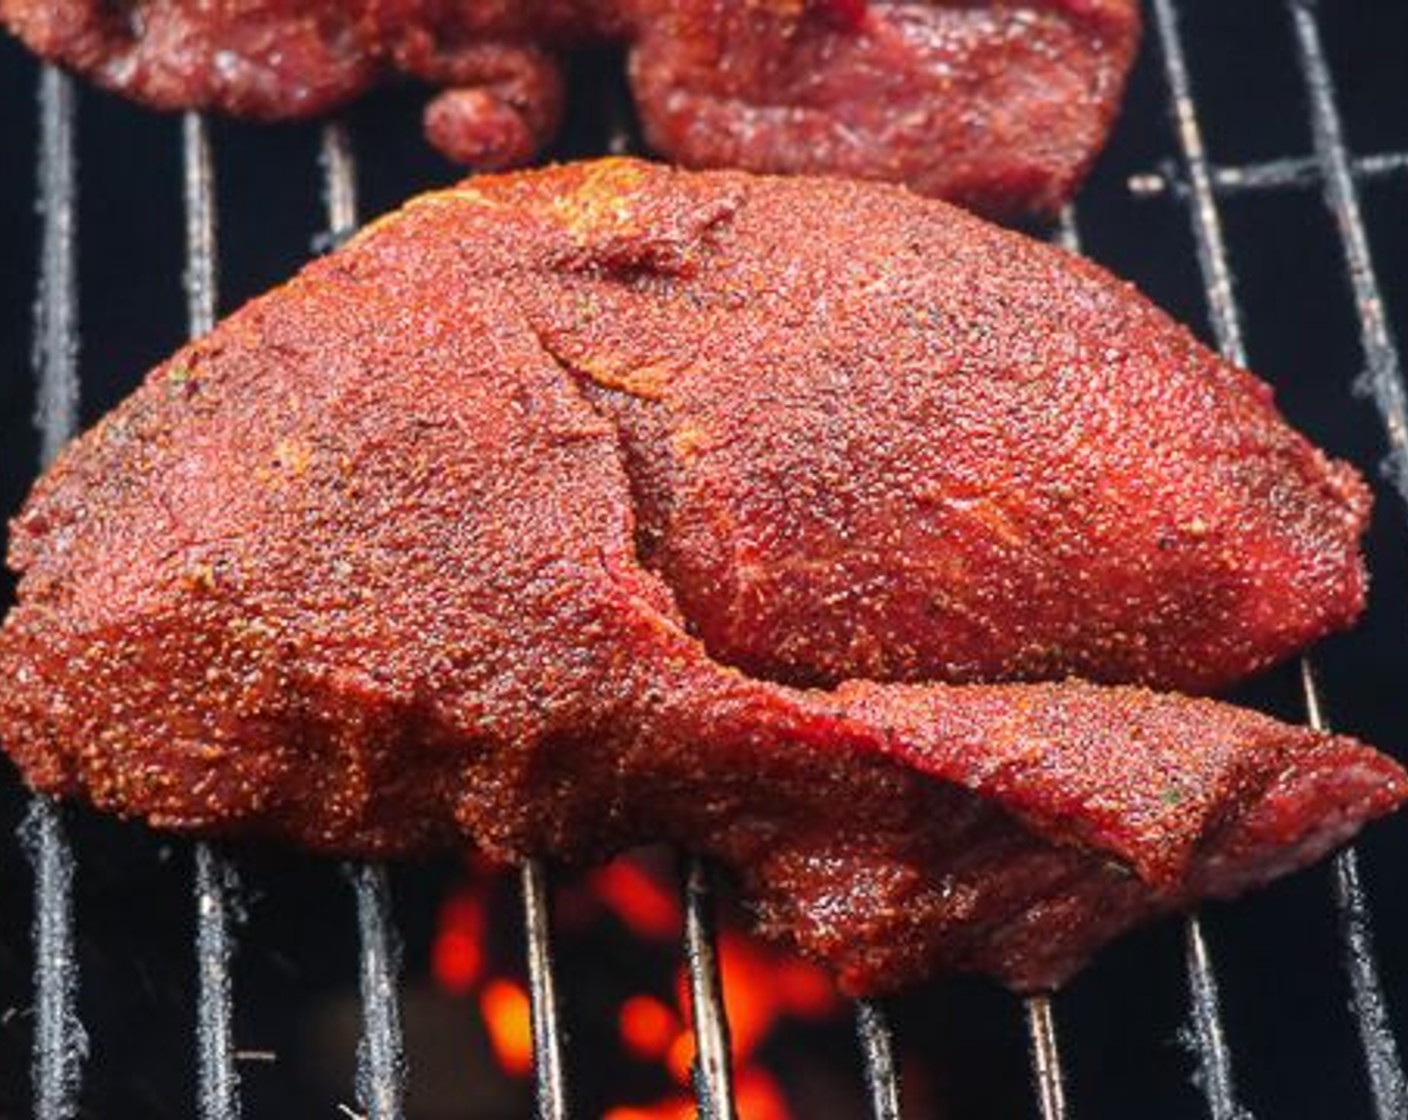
(1000, 106)
(398, 555)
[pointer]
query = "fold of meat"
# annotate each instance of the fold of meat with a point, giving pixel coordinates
(360, 571)
(999, 106)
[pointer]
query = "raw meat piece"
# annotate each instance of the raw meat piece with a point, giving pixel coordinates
(369, 569)
(999, 106)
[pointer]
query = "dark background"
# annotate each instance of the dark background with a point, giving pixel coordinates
(1278, 956)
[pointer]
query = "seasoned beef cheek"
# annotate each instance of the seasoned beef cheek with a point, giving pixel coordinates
(999, 106)
(361, 570)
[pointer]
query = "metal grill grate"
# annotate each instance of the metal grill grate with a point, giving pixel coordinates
(59, 1041)
(1191, 179)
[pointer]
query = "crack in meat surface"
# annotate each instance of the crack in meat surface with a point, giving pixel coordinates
(999, 106)
(365, 569)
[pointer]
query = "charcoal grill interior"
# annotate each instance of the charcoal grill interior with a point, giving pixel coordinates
(1257, 187)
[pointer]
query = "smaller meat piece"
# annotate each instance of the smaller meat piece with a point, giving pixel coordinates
(998, 106)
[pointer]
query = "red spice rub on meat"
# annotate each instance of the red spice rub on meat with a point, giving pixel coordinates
(430, 543)
(1000, 106)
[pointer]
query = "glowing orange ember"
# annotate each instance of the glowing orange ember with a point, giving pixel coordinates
(666, 1110)
(647, 908)
(762, 986)
(680, 1060)
(757, 1095)
(457, 954)
(505, 1008)
(458, 960)
(648, 1027)
(804, 989)
(760, 1096)
(749, 996)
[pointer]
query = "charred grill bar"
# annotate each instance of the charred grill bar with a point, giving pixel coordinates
(59, 1036)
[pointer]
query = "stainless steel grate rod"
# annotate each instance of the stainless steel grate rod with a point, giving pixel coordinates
(1047, 1074)
(1386, 1079)
(550, 1082)
(1207, 222)
(1385, 373)
(1208, 1037)
(59, 1042)
(217, 1079)
(1381, 1051)
(339, 163)
(877, 1049)
(381, 1061)
(1269, 175)
(713, 1064)
(1366, 991)
(55, 350)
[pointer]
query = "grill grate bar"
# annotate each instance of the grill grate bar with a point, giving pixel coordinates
(218, 1083)
(551, 1086)
(713, 1069)
(381, 1060)
(339, 163)
(1047, 1074)
(1385, 376)
(201, 279)
(1207, 1035)
(59, 1041)
(1269, 175)
(877, 1048)
(60, 1044)
(56, 313)
(1067, 232)
(1206, 221)
(1337, 176)
(217, 1080)
(1386, 1078)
